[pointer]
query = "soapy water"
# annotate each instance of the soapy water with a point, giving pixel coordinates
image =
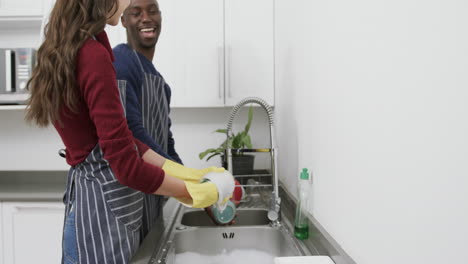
(238, 256)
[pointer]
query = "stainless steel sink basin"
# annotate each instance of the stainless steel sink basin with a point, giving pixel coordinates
(192, 234)
(245, 217)
(214, 241)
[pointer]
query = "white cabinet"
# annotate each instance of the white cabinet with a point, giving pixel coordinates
(190, 51)
(214, 52)
(249, 50)
(21, 22)
(20, 8)
(32, 232)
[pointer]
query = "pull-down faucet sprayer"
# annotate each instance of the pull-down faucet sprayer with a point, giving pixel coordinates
(274, 210)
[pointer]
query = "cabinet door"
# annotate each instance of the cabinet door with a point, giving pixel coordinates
(249, 50)
(190, 53)
(20, 8)
(32, 232)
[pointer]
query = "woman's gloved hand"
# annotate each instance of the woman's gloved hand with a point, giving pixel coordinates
(225, 184)
(203, 194)
(216, 187)
(187, 174)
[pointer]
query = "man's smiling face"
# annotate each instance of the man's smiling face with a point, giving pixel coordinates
(142, 19)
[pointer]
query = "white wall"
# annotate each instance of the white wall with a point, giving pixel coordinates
(193, 133)
(372, 96)
(28, 148)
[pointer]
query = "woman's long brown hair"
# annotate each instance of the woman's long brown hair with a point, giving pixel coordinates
(53, 83)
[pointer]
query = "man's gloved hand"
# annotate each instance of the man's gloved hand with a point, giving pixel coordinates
(203, 194)
(187, 174)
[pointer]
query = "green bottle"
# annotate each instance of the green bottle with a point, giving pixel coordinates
(301, 226)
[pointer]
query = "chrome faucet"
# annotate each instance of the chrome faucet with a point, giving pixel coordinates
(274, 210)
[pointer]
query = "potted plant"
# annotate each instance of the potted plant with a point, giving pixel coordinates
(241, 163)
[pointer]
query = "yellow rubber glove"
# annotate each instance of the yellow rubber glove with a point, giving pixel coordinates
(203, 194)
(187, 174)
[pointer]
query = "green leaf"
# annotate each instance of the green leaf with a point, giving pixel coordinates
(223, 131)
(249, 121)
(226, 143)
(234, 141)
(237, 140)
(208, 151)
(247, 141)
(216, 154)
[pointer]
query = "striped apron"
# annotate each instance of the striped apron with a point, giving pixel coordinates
(112, 219)
(155, 116)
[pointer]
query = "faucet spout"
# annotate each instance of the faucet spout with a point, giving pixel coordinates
(274, 212)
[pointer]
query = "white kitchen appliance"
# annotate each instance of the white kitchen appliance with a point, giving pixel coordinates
(16, 65)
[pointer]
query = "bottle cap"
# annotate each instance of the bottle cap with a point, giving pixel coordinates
(304, 174)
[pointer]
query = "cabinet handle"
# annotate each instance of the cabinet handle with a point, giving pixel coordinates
(8, 70)
(220, 72)
(228, 71)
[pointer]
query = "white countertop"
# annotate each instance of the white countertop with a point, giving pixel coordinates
(304, 260)
(33, 192)
(32, 185)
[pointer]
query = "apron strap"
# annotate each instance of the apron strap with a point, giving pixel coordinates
(139, 61)
(69, 196)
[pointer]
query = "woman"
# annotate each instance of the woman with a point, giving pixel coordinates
(74, 88)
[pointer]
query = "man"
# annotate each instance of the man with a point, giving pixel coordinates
(146, 96)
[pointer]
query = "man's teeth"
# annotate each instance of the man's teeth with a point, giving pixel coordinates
(147, 30)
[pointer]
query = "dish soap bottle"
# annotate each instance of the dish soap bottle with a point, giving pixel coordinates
(301, 226)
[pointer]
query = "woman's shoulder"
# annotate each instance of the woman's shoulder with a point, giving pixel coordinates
(93, 52)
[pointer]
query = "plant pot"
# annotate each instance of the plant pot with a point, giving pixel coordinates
(241, 165)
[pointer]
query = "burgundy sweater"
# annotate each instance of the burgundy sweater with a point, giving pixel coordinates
(100, 120)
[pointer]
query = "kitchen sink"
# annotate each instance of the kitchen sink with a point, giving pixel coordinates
(244, 217)
(193, 232)
(187, 235)
(223, 240)
(212, 241)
